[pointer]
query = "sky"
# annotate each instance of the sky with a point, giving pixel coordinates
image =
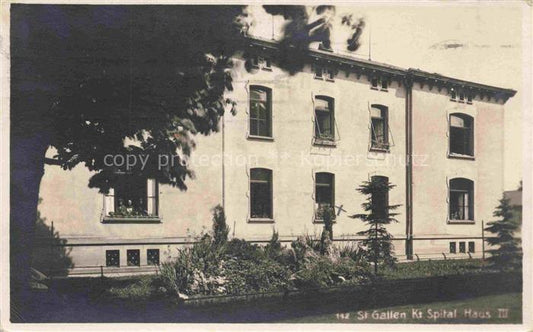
(483, 43)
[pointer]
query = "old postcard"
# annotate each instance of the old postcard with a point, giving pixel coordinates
(365, 165)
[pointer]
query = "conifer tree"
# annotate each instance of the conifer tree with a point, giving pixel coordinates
(506, 253)
(378, 213)
(220, 228)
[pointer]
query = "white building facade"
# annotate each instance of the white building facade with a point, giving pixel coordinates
(297, 144)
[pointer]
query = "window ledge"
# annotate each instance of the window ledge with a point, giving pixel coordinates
(454, 100)
(459, 222)
(330, 80)
(374, 88)
(260, 220)
(384, 90)
(324, 142)
(260, 138)
(461, 156)
(131, 220)
(267, 68)
(321, 221)
(379, 150)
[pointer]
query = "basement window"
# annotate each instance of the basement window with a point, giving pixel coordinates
(133, 257)
(453, 247)
(112, 258)
(472, 247)
(152, 256)
(462, 247)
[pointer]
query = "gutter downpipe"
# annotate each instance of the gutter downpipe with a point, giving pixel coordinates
(409, 165)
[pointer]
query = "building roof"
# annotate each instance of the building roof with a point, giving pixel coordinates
(374, 68)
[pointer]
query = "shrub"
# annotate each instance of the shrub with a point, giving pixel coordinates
(241, 249)
(320, 272)
(195, 269)
(245, 276)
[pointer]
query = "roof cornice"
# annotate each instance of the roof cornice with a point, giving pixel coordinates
(372, 68)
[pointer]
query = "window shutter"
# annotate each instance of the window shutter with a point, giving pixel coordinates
(151, 199)
(313, 195)
(247, 107)
(391, 141)
(109, 202)
(447, 134)
(370, 126)
(337, 132)
(249, 213)
(315, 124)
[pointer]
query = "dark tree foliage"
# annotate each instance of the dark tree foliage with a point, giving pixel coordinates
(506, 253)
(85, 78)
(378, 241)
(300, 31)
(326, 238)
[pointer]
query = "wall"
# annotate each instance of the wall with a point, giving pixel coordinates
(431, 109)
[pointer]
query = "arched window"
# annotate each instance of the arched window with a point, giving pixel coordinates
(324, 193)
(324, 118)
(379, 126)
(461, 135)
(260, 193)
(260, 111)
(461, 199)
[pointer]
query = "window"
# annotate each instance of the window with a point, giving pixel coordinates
(112, 258)
(152, 256)
(324, 119)
(462, 247)
(322, 73)
(132, 196)
(471, 246)
(261, 193)
(260, 111)
(380, 198)
(330, 75)
(469, 99)
(378, 81)
(260, 62)
(374, 82)
(461, 135)
(461, 199)
(133, 256)
(379, 127)
(384, 84)
(324, 193)
(461, 97)
(319, 72)
(453, 94)
(453, 247)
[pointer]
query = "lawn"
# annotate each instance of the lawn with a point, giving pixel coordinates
(479, 310)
